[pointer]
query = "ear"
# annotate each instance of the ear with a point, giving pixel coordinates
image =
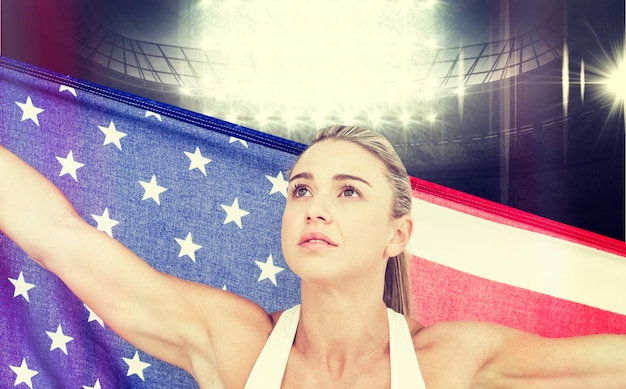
(400, 237)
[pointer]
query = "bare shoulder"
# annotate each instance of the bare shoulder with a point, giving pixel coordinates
(455, 354)
(474, 332)
(476, 339)
(468, 354)
(231, 339)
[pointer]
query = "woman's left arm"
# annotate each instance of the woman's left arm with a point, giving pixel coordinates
(524, 360)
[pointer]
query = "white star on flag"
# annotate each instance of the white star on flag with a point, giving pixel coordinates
(24, 374)
(59, 340)
(29, 111)
(112, 135)
(268, 270)
(234, 213)
(187, 247)
(136, 366)
(69, 165)
(95, 386)
(152, 190)
(233, 140)
(153, 114)
(21, 287)
(197, 160)
(93, 316)
(105, 223)
(64, 88)
(279, 184)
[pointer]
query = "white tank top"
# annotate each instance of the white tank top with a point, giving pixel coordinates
(269, 368)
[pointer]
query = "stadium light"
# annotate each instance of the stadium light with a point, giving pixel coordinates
(616, 82)
(306, 56)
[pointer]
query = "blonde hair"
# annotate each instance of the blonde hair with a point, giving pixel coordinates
(397, 292)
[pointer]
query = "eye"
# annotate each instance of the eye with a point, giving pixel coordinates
(300, 191)
(350, 191)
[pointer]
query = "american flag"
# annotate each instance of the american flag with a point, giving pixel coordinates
(192, 195)
(201, 198)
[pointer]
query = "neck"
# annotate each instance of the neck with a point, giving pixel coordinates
(336, 327)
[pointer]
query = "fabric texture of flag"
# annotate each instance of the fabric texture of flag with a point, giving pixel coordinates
(477, 260)
(201, 198)
(192, 195)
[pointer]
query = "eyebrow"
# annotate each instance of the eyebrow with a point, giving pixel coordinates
(336, 177)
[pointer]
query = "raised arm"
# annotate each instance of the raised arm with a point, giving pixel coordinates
(522, 360)
(187, 324)
(468, 354)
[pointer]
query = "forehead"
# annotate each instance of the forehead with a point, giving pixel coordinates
(337, 156)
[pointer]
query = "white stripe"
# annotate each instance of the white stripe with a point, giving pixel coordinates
(518, 257)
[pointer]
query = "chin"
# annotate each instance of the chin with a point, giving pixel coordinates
(310, 266)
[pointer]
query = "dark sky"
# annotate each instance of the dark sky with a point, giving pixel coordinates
(149, 20)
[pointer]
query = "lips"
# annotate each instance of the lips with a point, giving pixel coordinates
(316, 239)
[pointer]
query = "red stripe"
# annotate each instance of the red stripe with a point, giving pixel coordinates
(442, 294)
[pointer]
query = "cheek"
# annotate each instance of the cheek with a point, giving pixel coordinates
(286, 221)
(289, 219)
(289, 235)
(369, 230)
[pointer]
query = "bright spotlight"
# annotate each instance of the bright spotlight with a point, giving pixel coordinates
(606, 77)
(375, 117)
(431, 118)
(292, 53)
(405, 118)
(616, 82)
(262, 118)
(290, 118)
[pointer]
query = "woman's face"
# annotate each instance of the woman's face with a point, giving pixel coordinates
(337, 221)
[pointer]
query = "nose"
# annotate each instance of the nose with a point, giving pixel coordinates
(317, 211)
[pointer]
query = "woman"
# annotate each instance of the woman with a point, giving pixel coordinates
(345, 227)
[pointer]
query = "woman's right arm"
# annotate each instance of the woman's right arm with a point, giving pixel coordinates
(187, 324)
